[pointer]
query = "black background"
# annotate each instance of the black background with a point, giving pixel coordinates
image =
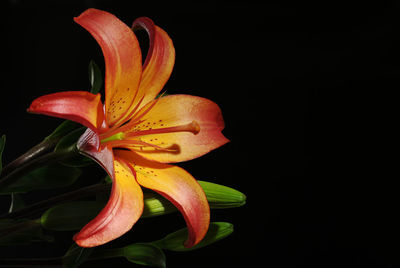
(308, 95)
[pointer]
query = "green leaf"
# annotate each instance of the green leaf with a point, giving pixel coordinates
(174, 241)
(76, 256)
(68, 141)
(21, 232)
(145, 254)
(221, 197)
(47, 177)
(63, 129)
(95, 77)
(70, 216)
(2, 144)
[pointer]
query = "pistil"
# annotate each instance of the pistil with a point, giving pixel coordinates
(118, 136)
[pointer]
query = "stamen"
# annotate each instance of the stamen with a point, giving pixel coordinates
(138, 143)
(134, 121)
(193, 127)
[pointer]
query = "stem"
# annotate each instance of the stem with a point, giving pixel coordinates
(38, 162)
(42, 205)
(43, 147)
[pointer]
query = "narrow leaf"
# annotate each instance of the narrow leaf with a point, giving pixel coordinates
(47, 177)
(95, 77)
(174, 241)
(2, 144)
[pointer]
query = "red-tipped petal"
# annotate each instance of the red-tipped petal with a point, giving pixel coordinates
(123, 60)
(79, 106)
(180, 110)
(123, 209)
(179, 187)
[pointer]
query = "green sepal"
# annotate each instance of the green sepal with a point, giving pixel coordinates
(75, 256)
(70, 216)
(221, 197)
(175, 241)
(70, 140)
(21, 232)
(47, 177)
(2, 144)
(95, 77)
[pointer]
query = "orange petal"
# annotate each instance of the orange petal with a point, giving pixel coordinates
(79, 106)
(159, 61)
(123, 60)
(180, 110)
(123, 209)
(179, 187)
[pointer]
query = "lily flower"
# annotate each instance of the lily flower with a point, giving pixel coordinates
(135, 134)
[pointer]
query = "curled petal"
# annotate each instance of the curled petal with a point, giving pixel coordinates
(123, 60)
(199, 119)
(179, 187)
(123, 209)
(79, 106)
(159, 61)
